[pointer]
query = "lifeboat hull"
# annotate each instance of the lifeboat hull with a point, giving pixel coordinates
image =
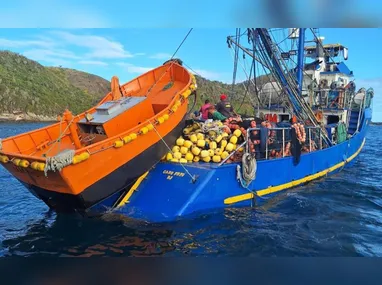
(83, 160)
(117, 181)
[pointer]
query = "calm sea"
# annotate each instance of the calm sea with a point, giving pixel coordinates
(338, 216)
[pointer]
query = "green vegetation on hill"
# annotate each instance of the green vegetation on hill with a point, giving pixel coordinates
(242, 101)
(28, 87)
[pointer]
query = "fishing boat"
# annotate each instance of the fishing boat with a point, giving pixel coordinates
(83, 159)
(315, 127)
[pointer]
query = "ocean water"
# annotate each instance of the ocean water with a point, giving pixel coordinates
(337, 216)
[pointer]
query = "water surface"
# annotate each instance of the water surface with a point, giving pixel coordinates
(336, 216)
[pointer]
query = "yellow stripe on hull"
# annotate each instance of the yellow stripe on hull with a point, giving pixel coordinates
(132, 189)
(273, 189)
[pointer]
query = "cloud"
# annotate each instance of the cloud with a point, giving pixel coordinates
(99, 47)
(212, 75)
(161, 55)
(5, 43)
(131, 68)
(92, 62)
(56, 57)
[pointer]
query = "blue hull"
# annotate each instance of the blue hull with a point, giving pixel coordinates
(168, 193)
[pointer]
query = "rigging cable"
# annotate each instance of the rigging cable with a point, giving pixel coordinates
(235, 60)
(181, 43)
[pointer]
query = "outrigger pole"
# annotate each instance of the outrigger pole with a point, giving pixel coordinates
(300, 59)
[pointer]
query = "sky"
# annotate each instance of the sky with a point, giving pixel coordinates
(130, 52)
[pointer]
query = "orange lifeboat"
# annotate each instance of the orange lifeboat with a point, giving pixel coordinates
(81, 160)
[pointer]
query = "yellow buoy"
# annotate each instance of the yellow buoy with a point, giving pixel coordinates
(213, 145)
(237, 133)
(241, 149)
(144, 130)
(189, 156)
(176, 149)
(229, 147)
(16, 161)
(150, 127)
(160, 120)
(216, 158)
(174, 108)
(223, 144)
(177, 155)
(218, 138)
(24, 163)
(193, 138)
(218, 151)
(174, 160)
(34, 165)
(133, 136)
(224, 154)
(180, 141)
(76, 159)
(207, 159)
(169, 156)
(4, 159)
(84, 156)
(183, 160)
(183, 150)
(201, 143)
(187, 144)
(233, 140)
(234, 146)
(41, 166)
(200, 136)
(118, 143)
(224, 135)
(186, 93)
(211, 152)
(166, 117)
(195, 150)
(204, 153)
(178, 103)
(126, 139)
(196, 159)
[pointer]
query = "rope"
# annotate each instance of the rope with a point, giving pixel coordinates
(193, 178)
(59, 161)
(60, 137)
(249, 165)
(181, 43)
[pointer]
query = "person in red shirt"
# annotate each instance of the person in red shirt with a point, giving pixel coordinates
(204, 110)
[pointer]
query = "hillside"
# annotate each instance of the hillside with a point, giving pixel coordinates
(32, 90)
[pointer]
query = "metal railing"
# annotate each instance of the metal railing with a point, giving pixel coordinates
(278, 142)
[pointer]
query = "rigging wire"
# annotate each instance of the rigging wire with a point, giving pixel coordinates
(181, 43)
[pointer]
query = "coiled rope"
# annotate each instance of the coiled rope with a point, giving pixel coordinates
(59, 161)
(249, 166)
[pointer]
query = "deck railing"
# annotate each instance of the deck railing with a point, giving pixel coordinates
(278, 142)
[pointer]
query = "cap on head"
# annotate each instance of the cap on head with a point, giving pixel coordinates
(223, 97)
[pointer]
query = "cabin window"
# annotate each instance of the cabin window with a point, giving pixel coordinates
(333, 119)
(284, 118)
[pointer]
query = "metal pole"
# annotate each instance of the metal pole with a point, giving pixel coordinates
(283, 142)
(310, 140)
(300, 63)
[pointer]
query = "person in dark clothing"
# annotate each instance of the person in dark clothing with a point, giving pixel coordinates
(225, 107)
(216, 115)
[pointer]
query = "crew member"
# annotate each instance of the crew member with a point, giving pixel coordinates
(216, 115)
(204, 110)
(225, 107)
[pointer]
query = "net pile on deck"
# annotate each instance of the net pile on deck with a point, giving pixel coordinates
(208, 142)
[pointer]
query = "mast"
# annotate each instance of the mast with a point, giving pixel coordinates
(300, 59)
